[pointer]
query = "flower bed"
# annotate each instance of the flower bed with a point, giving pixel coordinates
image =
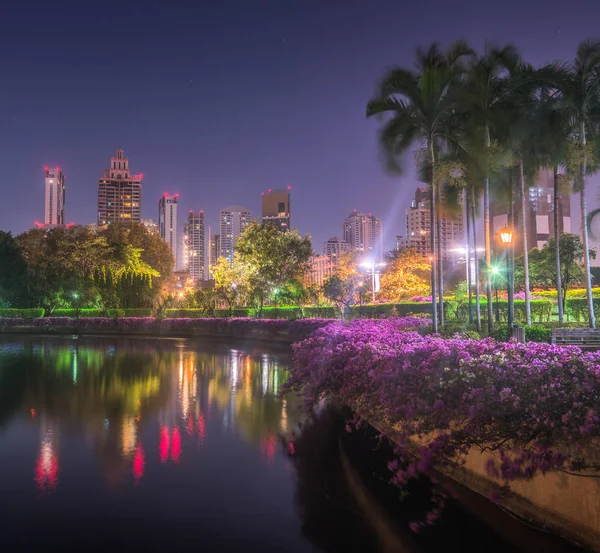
(535, 406)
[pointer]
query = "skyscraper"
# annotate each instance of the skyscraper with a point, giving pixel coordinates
(335, 247)
(364, 234)
(167, 222)
(150, 225)
(276, 208)
(194, 245)
(54, 209)
(418, 229)
(119, 193)
(233, 222)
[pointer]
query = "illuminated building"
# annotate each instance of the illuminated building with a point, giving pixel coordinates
(540, 213)
(54, 207)
(119, 193)
(418, 229)
(167, 222)
(150, 225)
(335, 247)
(194, 246)
(233, 222)
(276, 208)
(214, 248)
(320, 269)
(364, 234)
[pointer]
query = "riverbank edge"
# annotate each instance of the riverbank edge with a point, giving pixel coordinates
(283, 338)
(516, 504)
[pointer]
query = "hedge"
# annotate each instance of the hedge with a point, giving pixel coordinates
(533, 333)
(578, 308)
(87, 313)
(541, 310)
(574, 293)
(186, 314)
(22, 313)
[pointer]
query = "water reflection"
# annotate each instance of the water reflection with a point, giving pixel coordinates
(115, 393)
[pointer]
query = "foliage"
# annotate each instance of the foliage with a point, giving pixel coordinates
(457, 395)
(232, 280)
(406, 276)
(21, 313)
(272, 257)
(13, 272)
(578, 308)
(342, 292)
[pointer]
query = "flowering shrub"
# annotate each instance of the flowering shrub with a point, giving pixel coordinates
(535, 406)
(418, 299)
(521, 296)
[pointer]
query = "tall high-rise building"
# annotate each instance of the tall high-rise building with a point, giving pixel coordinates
(54, 208)
(539, 214)
(119, 193)
(233, 222)
(335, 247)
(276, 208)
(364, 234)
(194, 246)
(167, 222)
(418, 229)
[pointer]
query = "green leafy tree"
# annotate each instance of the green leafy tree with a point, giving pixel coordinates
(344, 293)
(231, 280)
(13, 272)
(273, 258)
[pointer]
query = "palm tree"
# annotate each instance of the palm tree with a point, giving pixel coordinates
(487, 93)
(579, 89)
(416, 107)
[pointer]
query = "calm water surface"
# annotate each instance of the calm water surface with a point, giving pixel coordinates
(172, 445)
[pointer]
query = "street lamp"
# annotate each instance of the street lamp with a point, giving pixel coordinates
(506, 235)
(371, 265)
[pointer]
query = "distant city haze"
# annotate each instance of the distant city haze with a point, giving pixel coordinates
(219, 102)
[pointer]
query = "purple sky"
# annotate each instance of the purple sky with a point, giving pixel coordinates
(219, 101)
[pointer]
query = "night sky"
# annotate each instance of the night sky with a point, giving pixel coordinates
(220, 100)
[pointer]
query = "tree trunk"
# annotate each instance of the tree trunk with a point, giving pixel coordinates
(559, 293)
(525, 245)
(510, 259)
(585, 235)
(468, 252)
(475, 264)
(432, 215)
(487, 234)
(440, 260)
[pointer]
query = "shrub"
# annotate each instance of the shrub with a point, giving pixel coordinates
(321, 312)
(236, 312)
(74, 313)
(578, 309)
(541, 310)
(21, 313)
(185, 313)
(538, 333)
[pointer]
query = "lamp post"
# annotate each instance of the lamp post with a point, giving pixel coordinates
(371, 265)
(495, 272)
(506, 235)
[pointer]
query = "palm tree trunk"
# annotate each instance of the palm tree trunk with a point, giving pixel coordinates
(561, 311)
(432, 215)
(525, 246)
(475, 264)
(584, 232)
(487, 234)
(440, 261)
(468, 252)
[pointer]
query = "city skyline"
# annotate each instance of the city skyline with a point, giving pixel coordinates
(185, 125)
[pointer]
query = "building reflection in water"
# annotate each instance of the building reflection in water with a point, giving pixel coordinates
(114, 391)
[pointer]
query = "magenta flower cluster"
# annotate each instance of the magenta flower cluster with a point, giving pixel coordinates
(521, 296)
(420, 299)
(535, 406)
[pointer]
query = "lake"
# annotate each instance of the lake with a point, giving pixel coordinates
(113, 444)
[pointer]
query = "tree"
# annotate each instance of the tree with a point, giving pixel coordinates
(272, 257)
(231, 280)
(342, 292)
(13, 272)
(298, 292)
(405, 276)
(418, 105)
(543, 263)
(579, 89)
